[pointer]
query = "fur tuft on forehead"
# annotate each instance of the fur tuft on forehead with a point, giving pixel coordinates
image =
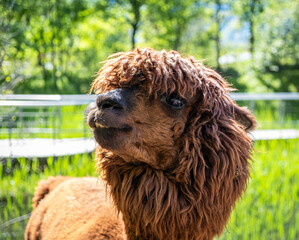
(159, 72)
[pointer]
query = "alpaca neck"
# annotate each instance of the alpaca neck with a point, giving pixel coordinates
(153, 206)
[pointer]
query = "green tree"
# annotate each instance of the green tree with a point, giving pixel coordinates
(167, 22)
(13, 22)
(222, 9)
(279, 45)
(135, 20)
(249, 11)
(56, 46)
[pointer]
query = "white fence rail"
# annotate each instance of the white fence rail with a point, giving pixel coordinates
(265, 96)
(23, 100)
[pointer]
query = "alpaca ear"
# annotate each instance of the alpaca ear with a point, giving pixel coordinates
(244, 117)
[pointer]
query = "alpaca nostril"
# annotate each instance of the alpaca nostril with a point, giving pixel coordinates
(116, 99)
(110, 104)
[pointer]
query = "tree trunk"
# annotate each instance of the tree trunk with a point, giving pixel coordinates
(178, 33)
(136, 5)
(217, 37)
(38, 43)
(135, 27)
(53, 57)
(251, 29)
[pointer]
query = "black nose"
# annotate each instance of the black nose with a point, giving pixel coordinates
(112, 100)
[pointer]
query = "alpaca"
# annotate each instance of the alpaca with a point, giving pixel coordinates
(173, 152)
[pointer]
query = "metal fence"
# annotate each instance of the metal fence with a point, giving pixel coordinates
(60, 118)
(51, 116)
(44, 125)
(273, 110)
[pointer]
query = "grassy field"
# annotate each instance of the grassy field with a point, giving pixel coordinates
(268, 210)
(270, 207)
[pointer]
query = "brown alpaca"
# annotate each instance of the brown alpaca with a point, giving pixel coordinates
(173, 151)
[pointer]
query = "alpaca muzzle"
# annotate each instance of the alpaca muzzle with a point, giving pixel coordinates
(111, 110)
(110, 118)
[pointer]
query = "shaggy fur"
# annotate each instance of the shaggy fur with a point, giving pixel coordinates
(173, 172)
(73, 208)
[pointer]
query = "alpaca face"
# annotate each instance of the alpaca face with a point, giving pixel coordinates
(138, 127)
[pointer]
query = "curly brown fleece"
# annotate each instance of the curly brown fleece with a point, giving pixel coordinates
(178, 173)
(194, 198)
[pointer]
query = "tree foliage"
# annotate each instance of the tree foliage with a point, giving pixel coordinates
(56, 46)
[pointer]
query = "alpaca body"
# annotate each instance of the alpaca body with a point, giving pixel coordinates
(172, 148)
(76, 209)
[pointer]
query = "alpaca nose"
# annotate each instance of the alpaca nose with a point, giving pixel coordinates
(112, 100)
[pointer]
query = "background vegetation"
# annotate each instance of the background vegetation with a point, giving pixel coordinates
(55, 46)
(268, 209)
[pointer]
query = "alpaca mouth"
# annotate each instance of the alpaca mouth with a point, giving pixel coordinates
(107, 121)
(112, 137)
(122, 128)
(99, 125)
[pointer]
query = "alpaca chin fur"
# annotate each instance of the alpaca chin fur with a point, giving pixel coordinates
(173, 174)
(156, 204)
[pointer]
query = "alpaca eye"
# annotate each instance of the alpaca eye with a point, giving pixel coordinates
(174, 101)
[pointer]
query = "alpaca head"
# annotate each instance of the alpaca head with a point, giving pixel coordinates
(171, 114)
(139, 127)
(150, 102)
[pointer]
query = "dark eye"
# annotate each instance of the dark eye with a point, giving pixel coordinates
(174, 101)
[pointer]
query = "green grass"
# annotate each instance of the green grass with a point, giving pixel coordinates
(268, 210)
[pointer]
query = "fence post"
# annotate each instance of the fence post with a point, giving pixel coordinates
(21, 122)
(10, 130)
(281, 113)
(251, 105)
(59, 123)
(84, 124)
(53, 123)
